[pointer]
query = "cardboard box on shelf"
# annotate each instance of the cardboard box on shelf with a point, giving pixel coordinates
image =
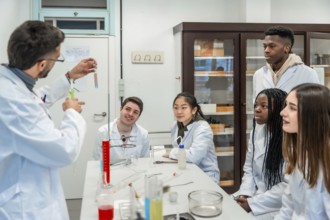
(224, 149)
(206, 48)
(224, 108)
(218, 52)
(216, 128)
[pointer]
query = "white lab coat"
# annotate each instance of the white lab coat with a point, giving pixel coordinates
(32, 149)
(199, 146)
(300, 202)
(262, 202)
(293, 76)
(139, 137)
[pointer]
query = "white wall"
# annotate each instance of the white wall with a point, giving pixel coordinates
(12, 14)
(148, 26)
(296, 11)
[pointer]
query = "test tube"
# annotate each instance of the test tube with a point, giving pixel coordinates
(96, 82)
(71, 89)
(146, 198)
(156, 198)
(152, 156)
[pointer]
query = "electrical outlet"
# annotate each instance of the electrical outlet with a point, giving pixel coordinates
(148, 57)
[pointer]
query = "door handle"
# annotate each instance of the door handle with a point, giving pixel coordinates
(103, 114)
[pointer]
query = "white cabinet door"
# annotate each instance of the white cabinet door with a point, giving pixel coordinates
(74, 49)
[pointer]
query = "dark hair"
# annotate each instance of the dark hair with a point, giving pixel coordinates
(283, 32)
(191, 100)
(135, 100)
(309, 149)
(273, 160)
(31, 41)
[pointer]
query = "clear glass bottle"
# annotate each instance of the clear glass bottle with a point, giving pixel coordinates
(182, 157)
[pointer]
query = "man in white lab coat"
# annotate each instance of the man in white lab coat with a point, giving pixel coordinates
(284, 69)
(31, 147)
(128, 139)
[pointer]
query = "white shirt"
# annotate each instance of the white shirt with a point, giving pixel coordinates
(32, 149)
(253, 184)
(300, 202)
(199, 146)
(138, 137)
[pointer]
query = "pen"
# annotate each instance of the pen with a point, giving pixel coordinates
(44, 98)
(164, 161)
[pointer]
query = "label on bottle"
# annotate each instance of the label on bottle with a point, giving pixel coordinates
(182, 159)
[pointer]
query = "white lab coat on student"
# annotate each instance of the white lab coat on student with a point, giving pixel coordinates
(293, 76)
(199, 146)
(262, 202)
(300, 202)
(32, 150)
(139, 137)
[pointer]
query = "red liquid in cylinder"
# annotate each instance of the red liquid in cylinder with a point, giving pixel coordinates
(106, 160)
(106, 212)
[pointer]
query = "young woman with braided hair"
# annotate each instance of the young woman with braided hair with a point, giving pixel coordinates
(262, 184)
(306, 151)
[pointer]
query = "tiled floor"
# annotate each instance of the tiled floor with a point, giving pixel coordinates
(74, 206)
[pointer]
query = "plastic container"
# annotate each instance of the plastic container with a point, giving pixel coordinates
(205, 203)
(182, 163)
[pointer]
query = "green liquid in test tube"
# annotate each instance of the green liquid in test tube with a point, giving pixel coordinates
(71, 90)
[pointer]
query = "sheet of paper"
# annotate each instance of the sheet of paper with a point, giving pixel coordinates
(73, 55)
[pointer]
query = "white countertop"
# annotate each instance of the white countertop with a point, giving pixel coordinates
(122, 175)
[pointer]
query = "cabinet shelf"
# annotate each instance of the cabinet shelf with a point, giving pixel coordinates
(213, 57)
(226, 183)
(255, 57)
(223, 133)
(224, 151)
(319, 65)
(224, 154)
(250, 72)
(218, 113)
(215, 73)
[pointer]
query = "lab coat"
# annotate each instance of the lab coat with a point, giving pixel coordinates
(300, 202)
(32, 149)
(293, 76)
(199, 147)
(262, 202)
(139, 137)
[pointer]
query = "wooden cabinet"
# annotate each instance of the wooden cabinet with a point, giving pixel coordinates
(217, 63)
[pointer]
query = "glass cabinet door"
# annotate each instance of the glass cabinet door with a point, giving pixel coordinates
(213, 76)
(320, 56)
